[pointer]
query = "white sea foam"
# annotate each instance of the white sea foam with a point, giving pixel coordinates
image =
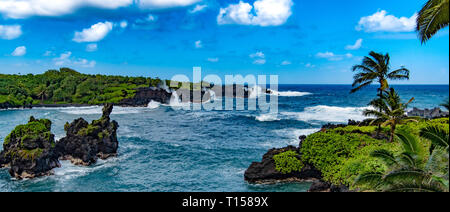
(292, 135)
(153, 105)
(268, 117)
(98, 110)
(324, 113)
(290, 93)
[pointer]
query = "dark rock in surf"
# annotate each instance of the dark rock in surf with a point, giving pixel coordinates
(85, 143)
(265, 171)
(144, 96)
(428, 113)
(29, 150)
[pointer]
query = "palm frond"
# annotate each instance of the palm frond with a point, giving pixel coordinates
(433, 17)
(405, 175)
(386, 156)
(373, 179)
(409, 142)
(438, 136)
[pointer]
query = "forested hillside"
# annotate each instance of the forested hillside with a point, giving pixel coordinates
(66, 86)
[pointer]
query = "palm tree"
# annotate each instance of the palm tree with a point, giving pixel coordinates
(432, 18)
(376, 68)
(41, 92)
(408, 171)
(437, 135)
(389, 111)
(446, 104)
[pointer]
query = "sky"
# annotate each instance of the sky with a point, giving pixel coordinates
(303, 42)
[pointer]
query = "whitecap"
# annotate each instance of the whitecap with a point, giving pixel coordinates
(98, 110)
(289, 93)
(268, 117)
(293, 134)
(153, 105)
(324, 113)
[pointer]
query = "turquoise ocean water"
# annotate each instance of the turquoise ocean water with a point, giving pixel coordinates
(162, 149)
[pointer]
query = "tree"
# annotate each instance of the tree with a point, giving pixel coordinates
(409, 171)
(389, 111)
(41, 92)
(432, 18)
(376, 68)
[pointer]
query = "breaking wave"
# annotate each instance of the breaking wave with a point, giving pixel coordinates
(324, 113)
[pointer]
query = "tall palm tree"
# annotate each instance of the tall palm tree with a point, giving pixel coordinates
(432, 18)
(376, 68)
(392, 111)
(409, 171)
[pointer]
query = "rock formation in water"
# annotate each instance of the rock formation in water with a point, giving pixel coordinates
(266, 172)
(144, 96)
(85, 143)
(428, 114)
(29, 150)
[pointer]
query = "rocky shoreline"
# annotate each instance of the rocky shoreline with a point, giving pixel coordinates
(31, 151)
(265, 172)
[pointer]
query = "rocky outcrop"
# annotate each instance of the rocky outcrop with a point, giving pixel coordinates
(85, 143)
(322, 186)
(265, 171)
(144, 96)
(29, 150)
(428, 113)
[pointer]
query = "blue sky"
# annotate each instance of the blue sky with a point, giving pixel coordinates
(304, 42)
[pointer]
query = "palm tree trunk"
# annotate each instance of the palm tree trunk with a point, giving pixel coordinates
(380, 94)
(391, 139)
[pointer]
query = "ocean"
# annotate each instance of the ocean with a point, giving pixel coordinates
(162, 149)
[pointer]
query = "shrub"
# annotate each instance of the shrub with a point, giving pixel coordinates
(288, 162)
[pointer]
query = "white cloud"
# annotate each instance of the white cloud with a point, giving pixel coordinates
(91, 47)
(26, 8)
(63, 59)
(85, 63)
(285, 63)
(93, 34)
(10, 32)
(198, 8)
(67, 59)
(382, 22)
(259, 58)
(333, 57)
(160, 4)
(213, 60)
(259, 62)
(198, 44)
(355, 46)
(261, 13)
(123, 24)
(19, 51)
(257, 54)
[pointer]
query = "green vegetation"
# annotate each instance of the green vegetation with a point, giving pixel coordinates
(30, 154)
(343, 154)
(389, 111)
(433, 17)
(32, 130)
(69, 86)
(287, 162)
(411, 170)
